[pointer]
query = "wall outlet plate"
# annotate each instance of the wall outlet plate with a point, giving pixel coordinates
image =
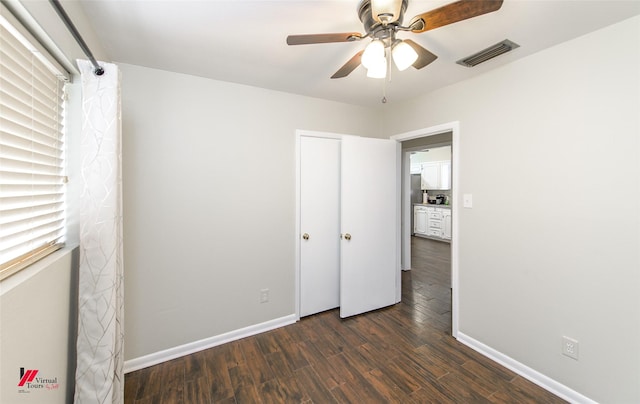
(264, 295)
(467, 201)
(570, 347)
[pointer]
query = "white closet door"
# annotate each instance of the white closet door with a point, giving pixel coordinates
(320, 221)
(369, 195)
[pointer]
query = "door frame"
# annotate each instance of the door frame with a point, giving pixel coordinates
(298, 234)
(406, 211)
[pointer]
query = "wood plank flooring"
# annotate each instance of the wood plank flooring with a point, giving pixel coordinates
(401, 354)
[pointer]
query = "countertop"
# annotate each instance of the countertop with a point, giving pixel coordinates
(432, 205)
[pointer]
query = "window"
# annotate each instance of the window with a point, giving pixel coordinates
(32, 174)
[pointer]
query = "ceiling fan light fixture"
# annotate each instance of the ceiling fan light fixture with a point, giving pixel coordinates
(378, 70)
(373, 53)
(386, 11)
(403, 55)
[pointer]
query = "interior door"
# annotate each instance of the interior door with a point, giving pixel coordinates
(369, 275)
(319, 224)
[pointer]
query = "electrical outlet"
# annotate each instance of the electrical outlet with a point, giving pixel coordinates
(570, 347)
(264, 295)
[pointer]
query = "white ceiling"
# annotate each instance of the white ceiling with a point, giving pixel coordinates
(243, 41)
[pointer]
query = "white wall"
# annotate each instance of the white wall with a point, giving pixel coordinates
(542, 254)
(37, 330)
(209, 203)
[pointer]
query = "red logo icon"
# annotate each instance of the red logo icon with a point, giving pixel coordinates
(27, 377)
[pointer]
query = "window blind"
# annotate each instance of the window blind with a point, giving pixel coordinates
(32, 175)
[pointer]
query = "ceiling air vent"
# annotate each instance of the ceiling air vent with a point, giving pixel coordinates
(489, 53)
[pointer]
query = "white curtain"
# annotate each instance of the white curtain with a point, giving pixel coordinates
(99, 372)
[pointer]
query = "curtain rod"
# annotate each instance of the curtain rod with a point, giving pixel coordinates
(98, 70)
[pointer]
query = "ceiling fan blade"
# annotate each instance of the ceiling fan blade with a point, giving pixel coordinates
(323, 38)
(454, 12)
(349, 66)
(424, 56)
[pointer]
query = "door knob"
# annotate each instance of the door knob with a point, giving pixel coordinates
(347, 236)
(305, 236)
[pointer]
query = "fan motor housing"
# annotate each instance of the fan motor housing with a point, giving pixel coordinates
(374, 28)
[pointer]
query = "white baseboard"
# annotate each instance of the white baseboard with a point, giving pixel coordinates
(186, 349)
(528, 373)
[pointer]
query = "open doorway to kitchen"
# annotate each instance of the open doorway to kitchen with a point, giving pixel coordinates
(431, 262)
(430, 278)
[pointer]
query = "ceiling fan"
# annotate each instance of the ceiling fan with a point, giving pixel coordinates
(382, 19)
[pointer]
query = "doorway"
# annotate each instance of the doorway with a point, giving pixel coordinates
(434, 135)
(430, 280)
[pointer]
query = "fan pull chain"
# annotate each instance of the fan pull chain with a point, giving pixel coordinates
(384, 81)
(384, 92)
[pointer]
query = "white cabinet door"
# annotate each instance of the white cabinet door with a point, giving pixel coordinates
(446, 222)
(445, 175)
(430, 176)
(420, 220)
(369, 272)
(436, 175)
(319, 224)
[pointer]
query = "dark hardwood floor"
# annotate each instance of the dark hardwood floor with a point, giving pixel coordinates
(404, 354)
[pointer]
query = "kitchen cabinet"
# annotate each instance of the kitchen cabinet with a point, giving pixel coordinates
(430, 176)
(435, 222)
(445, 174)
(432, 222)
(446, 224)
(420, 220)
(436, 175)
